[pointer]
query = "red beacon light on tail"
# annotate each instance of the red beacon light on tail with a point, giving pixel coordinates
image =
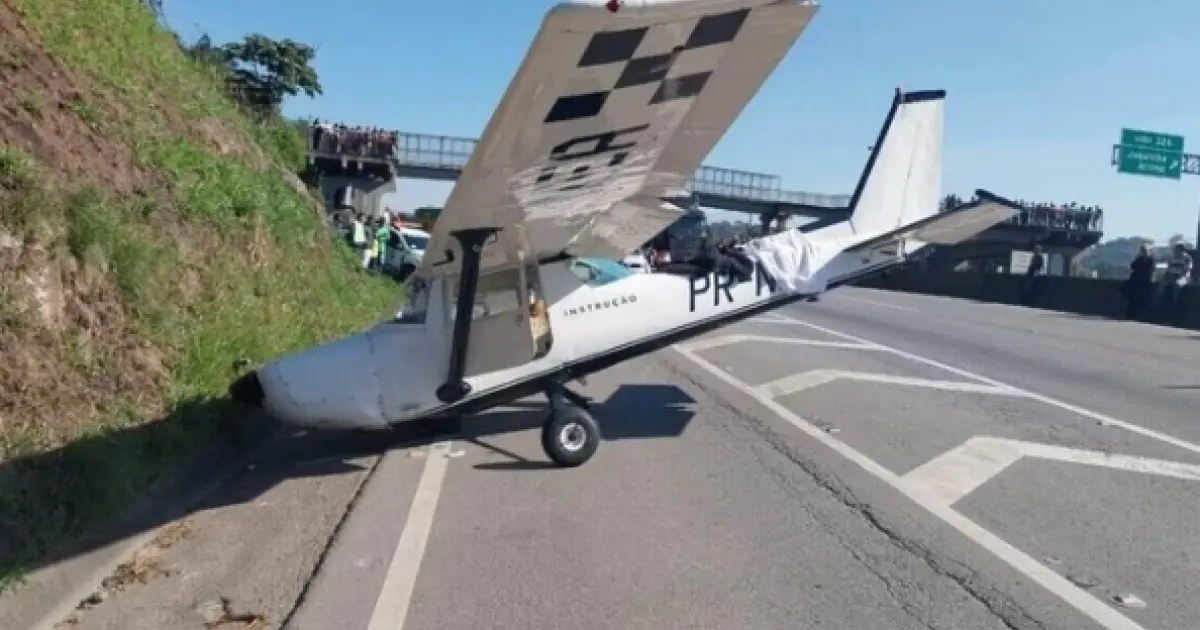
(614, 5)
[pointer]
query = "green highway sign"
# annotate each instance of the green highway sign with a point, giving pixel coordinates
(1152, 162)
(1151, 140)
(1150, 153)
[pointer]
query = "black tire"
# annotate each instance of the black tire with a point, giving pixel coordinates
(405, 271)
(570, 436)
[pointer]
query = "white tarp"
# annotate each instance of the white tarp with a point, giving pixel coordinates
(795, 263)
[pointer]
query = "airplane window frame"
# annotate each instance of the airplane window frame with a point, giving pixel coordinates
(590, 273)
(481, 308)
(598, 277)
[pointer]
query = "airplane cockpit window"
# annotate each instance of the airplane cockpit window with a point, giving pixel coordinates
(598, 272)
(497, 293)
(416, 293)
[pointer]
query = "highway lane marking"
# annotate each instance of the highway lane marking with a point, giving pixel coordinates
(724, 340)
(391, 608)
(961, 470)
(1054, 402)
(813, 378)
(897, 307)
(1081, 600)
(766, 318)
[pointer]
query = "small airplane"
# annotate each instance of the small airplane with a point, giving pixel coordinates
(519, 292)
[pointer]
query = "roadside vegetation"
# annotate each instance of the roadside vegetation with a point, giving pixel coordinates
(152, 230)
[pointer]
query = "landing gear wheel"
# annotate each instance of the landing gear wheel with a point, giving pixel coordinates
(570, 436)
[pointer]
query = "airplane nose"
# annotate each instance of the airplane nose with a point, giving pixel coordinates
(248, 389)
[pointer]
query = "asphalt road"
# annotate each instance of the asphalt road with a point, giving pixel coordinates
(875, 460)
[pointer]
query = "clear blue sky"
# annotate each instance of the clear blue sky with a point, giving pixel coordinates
(1037, 89)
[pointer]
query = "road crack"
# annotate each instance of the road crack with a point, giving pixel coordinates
(220, 613)
(333, 537)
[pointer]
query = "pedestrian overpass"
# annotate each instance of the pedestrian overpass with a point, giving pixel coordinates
(442, 158)
(422, 156)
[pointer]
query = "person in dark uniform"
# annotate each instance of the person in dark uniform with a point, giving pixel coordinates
(1138, 286)
(1033, 275)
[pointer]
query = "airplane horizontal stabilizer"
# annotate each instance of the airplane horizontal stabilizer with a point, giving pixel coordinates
(953, 226)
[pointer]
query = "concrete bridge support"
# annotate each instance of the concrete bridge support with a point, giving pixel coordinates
(362, 194)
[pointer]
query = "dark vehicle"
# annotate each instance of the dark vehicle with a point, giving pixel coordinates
(427, 216)
(686, 239)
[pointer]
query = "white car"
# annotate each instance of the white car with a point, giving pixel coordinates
(637, 263)
(405, 250)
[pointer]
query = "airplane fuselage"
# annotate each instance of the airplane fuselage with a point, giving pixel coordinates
(391, 372)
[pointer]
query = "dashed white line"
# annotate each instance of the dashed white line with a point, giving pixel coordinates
(882, 304)
(725, 340)
(391, 609)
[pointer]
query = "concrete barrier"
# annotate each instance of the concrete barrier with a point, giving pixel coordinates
(1072, 295)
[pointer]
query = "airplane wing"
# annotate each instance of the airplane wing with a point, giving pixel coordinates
(953, 226)
(610, 112)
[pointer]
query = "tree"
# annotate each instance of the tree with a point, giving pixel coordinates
(205, 52)
(264, 71)
(950, 202)
(1111, 258)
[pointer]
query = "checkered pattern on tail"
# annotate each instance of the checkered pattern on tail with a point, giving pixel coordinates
(621, 47)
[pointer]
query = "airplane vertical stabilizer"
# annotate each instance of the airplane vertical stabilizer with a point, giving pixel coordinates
(903, 179)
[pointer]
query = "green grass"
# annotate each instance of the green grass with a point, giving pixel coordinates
(265, 278)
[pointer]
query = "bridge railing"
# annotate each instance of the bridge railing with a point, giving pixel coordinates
(434, 151)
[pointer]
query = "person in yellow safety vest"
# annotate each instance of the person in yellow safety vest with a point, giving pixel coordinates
(382, 232)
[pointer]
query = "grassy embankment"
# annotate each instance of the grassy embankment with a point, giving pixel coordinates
(150, 233)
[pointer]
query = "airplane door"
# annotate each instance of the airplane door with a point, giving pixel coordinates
(508, 328)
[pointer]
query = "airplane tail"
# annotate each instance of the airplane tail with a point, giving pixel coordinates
(902, 181)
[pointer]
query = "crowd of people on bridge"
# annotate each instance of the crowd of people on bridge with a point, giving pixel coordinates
(1070, 216)
(339, 139)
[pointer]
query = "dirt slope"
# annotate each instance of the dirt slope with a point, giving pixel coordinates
(149, 235)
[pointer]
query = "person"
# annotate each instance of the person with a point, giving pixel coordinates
(382, 234)
(1029, 283)
(315, 135)
(1136, 288)
(1179, 268)
(358, 239)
